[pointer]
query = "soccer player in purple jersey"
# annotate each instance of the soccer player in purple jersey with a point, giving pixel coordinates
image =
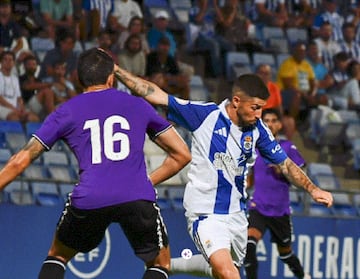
(104, 130)
(269, 207)
(224, 138)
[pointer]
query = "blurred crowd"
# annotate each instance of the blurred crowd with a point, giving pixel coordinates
(41, 40)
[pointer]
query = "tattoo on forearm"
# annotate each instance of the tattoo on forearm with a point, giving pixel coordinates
(135, 84)
(33, 149)
(296, 175)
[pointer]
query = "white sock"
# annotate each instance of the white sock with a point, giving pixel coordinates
(196, 266)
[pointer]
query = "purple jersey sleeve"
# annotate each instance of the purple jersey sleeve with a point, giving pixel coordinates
(106, 131)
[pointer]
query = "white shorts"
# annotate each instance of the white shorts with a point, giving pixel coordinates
(4, 112)
(219, 231)
(34, 105)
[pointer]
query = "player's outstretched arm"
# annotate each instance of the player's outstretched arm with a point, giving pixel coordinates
(20, 161)
(178, 156)
(141, 87)
(297, 177)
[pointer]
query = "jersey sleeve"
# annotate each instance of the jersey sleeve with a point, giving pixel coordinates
(268, 147)
(54, 127)
(156, 123)
(188, 114)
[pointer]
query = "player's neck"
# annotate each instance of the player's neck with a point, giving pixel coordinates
(95, 88)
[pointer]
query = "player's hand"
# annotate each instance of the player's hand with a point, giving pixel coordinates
(322, 196)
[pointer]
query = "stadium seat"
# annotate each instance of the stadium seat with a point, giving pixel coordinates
(5, 154)
(185, 4)
(323, 176)
(356, 202)
(9, 127)
(15, 141)
(65, 189)
(162, 198)
(55, 158)
(268, 32)
(236, 59)
(61, 173)
(319, 210)
(176, 196)
(296, 202)
(294, 35)
(31, 128)
(264, 58)
(343, 206)
(35, 172)
(278, 45)
(19, 193)
(280, 58)
(355, 150)
(46, 193)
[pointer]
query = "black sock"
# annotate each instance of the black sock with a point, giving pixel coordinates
(294, 264)
(52, 268)
(156, 272)
(251, 263)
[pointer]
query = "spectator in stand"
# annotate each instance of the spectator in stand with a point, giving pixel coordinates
(204, 37)
(132, 58)
(11, 103)
(329, 14)
(348, 97)
(270, 13)
(327, 46)
(12, 37)
(136, 26)
(321, 73)
(302, 12)
(37, 95)
(338, 76)
(94, 18)
(348, 44)
(296, 79)
(64, 50)
(24, 14)
(160, 30)
(62, 87)
(105, 43)
(275, 100)
(160, 61)
(123, 11)
(55, 14)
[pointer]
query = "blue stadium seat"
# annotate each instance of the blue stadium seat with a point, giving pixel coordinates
(296, 202)
(55, 158)
(263, 58)
(323, 176)
(19, 193)
(5, 154)
(162, 198)
(294, 34)
(236, 59)
(61, 173)
(9, 127)
(31, 128)
(15, 141)
(176, 196)
(46, 193)
(35, 172)
(65, 189)
(320, 210)
(343, 205)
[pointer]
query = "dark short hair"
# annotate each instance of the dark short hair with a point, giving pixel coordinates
(251, 85)
(94, 67)
(274, 111)
(7, 52)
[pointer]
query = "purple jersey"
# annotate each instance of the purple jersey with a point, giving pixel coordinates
(106, 131)
(271, 193)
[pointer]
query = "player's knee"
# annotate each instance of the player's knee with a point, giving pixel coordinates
(156, 272)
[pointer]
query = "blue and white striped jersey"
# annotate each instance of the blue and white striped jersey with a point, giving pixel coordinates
(221, 155)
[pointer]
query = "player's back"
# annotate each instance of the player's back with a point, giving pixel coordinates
(106, 130)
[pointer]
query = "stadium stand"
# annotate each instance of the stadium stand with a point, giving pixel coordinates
(46, 193)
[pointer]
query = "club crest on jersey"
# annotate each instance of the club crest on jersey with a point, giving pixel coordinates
(247, 142)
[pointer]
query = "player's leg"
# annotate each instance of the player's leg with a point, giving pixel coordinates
(213, 237)
(281, 231)
(75, 232)
(152, 247)
(256, 230)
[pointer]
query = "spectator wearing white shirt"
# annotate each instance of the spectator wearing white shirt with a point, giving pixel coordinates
(123, 11)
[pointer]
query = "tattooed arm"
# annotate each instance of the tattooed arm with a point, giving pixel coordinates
(20, 161)
(143, 88)
(297, 177)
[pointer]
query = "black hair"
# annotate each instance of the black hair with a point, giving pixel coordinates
(271, 111)
(94, 67)
(350, 70)
(128, 40)
(7, 52)
(251, 85)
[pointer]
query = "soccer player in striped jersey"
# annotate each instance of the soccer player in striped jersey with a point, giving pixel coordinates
(103, 128)
(224, 138)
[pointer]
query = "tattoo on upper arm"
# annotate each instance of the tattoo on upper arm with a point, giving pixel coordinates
(136, 85)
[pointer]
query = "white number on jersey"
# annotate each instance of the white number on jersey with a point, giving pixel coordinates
(109, 138)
